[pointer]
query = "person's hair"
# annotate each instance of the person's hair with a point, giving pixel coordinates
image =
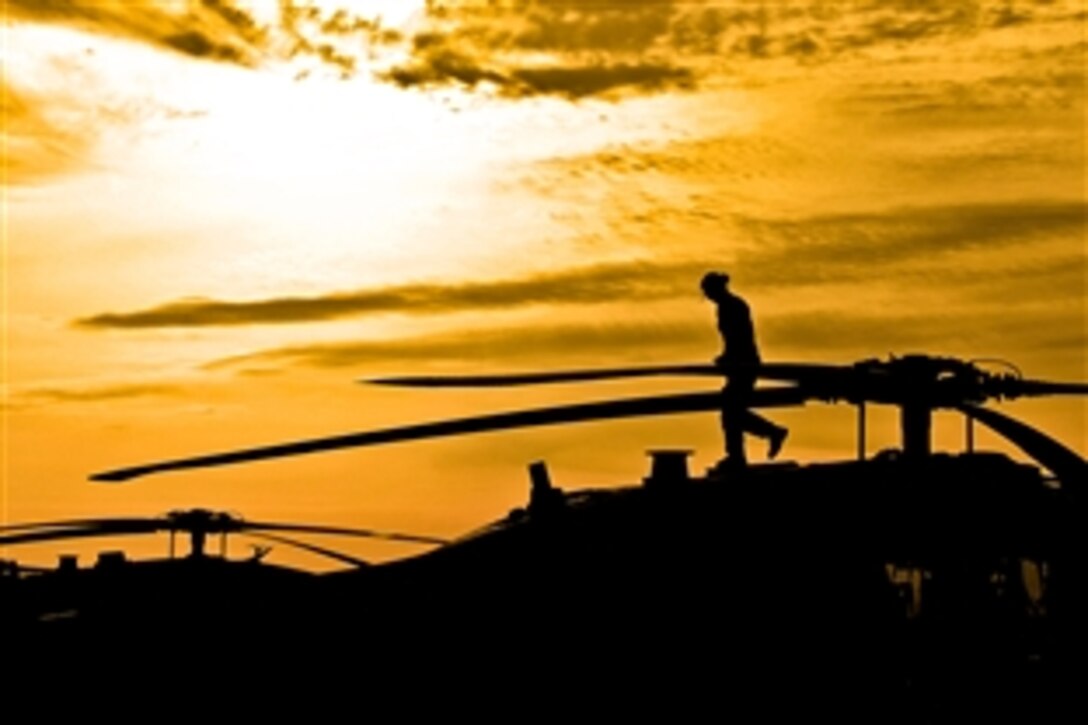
(713, 281)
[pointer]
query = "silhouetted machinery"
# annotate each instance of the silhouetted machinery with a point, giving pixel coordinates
(928, 581)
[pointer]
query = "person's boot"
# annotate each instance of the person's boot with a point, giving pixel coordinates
(727, 465)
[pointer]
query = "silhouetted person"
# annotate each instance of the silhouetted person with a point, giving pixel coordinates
(741, 356)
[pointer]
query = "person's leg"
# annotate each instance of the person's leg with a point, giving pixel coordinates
(757, 425)
(738, 394)
(735, 415)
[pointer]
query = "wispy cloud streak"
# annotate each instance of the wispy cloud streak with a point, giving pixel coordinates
(585, 285)
(840, 247)
(827, 249)
(827, 334)
(35, 397)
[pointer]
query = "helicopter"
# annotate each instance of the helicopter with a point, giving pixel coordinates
(914, 576)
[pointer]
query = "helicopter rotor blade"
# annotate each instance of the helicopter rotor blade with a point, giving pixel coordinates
(75, 532)
(214, 524)
(600, 410)
(249, 527)
(1063, 462)
(29, 568)
(56, 534)
(790, 372)
(124, 523)
(1033, 388)
(43, 531)
(312, 548)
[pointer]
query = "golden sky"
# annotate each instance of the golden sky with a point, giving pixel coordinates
(221, 213)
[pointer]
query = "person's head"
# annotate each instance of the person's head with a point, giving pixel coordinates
(715, 285)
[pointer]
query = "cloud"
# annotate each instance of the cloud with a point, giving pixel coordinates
(220, 30)
(845, 246)
(908, 243)
(598, 79)
(55, 127)
(693, 39)
(843, 334)
(195, 43)
(93, 394)
(572, 49)
(334, 38)
(1030, 84)
(51, 133)
(830, 334)
(35, 147)
(210, 29)
(56, 116)
(584, 285)
(443, 66)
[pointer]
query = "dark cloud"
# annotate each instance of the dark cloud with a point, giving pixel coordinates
(572, 49)
(964, 332)
(585, 285)
(593, 80)
(692, 38)
(221, 30)
(240, 20)
(199, 45)
(328, 54)
(338, 38)
(903, 22)
(443, 66)
(209, 29)
(840, 247)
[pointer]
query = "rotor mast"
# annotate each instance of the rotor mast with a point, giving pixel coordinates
(920, 376)
(916, 426)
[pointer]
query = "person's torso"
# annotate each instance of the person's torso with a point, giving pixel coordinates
(738, 333)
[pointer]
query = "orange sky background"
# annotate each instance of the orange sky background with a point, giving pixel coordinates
(218, 214)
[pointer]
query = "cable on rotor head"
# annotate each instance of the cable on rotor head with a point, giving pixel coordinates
(1017, 373)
